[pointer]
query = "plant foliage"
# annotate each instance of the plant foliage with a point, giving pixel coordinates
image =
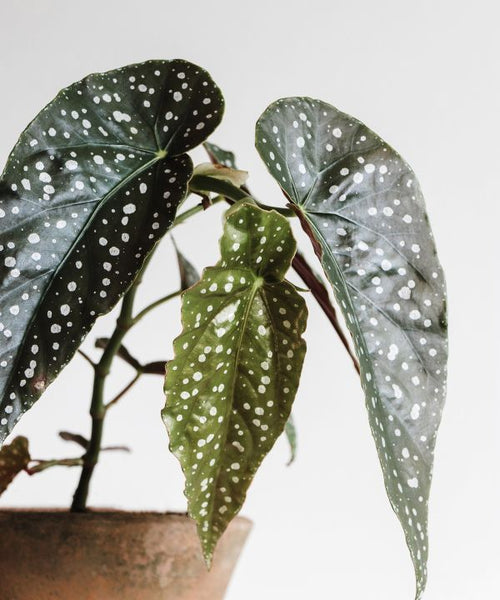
(91, 186)
(236, 367)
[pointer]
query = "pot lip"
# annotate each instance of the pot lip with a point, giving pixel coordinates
(103, 513)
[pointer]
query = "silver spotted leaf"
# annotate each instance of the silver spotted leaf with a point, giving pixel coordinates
(363, 209)
(219, 156)
(91, 186)
(14, 458)
(236, 367)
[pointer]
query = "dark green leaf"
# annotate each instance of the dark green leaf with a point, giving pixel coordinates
(218, 156)
(92, 184)
(291, 434)
(14, 458)
(187, 271)
(363, 208)
(236, 369)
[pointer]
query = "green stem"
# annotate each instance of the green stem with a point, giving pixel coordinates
(204, 183)
(153, 305)
(194, 210)
(124, 391)
(97, 407)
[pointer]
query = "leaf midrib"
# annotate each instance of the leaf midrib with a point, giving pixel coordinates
(252, 293)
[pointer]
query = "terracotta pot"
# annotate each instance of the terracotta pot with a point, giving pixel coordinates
(55, 555)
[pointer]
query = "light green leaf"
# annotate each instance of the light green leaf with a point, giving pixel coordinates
(291, 435)
(234, 176)
(236, 367)
(91, 186)
(14, 458)
(363, 209)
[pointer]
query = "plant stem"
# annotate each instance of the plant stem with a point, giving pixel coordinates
(203, 183)
(123, 391)
(156, 367)
(97, 407)
(150, 307)
(42, 465)
(321, 295)
(194, 210)
(87, 358)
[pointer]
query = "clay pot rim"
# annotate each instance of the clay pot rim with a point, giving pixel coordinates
(104, 513)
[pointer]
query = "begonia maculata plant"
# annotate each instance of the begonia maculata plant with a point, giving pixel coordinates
(94, 184)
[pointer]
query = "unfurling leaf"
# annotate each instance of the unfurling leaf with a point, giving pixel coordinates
(234, 176)
(230, 386)
(14, 458)
(91, 186)
(362, 207)
(187, 271)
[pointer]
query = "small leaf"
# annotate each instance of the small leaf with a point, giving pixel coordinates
(91, 186)
(362, 207)
(14, 458)
(291, 434)
(234, 176)
(218, 156)
(187, 271)
(230, 387)
(67, 436)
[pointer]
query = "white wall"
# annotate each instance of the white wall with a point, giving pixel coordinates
(424, 75)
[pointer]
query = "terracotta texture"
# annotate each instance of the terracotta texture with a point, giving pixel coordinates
(57, 555)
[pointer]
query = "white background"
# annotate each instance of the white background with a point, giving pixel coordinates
(424, 75)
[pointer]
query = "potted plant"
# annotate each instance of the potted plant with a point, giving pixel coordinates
(93, 184)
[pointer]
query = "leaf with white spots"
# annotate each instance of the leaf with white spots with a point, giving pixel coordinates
(219, 156)
(362, 207)
(231, 384)
(14, 458)
(91, 186)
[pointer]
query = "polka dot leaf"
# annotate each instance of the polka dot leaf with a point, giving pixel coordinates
(91, 186)
(219, 156)
(14, 458)
(362, 207)
(236, 367)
